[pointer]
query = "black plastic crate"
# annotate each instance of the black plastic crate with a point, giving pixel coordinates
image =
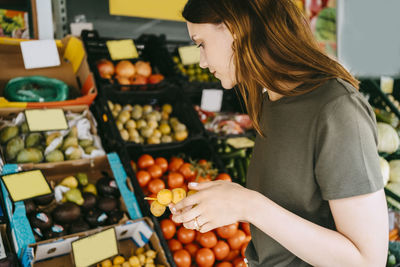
(150, 48)
(195, 149)
(181, 109)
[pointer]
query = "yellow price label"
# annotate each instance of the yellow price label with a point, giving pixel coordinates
(95, 248)
(26, 185)
(189, 54)
(122, 49)
(45, 120)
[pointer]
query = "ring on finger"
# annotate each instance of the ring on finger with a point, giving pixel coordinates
(196, 224)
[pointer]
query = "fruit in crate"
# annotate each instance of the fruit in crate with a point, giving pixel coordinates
(75, 206)
(194, 72)
(21, 146)
(224, 246)
(146, 124)
(127, 73)
(167, 182)
(140, 257)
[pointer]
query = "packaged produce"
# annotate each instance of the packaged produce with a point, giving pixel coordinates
(224, 123)
(21, 146)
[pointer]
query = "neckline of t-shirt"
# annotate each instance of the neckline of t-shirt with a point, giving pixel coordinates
(288, 99)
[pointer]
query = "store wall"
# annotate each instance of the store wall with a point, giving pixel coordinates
(97, 12)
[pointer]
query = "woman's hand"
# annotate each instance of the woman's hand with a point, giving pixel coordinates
(216, 204)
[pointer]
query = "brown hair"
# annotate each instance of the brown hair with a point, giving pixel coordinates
(273, 44)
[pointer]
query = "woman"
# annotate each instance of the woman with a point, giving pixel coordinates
(314, 191)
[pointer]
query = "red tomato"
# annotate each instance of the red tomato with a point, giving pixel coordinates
(155, 185)
(237, 240)
(224, 177)
(245, 227)
(182, 258)
(175, 180)
(202, 179)
(243, 249)
(187, 170)
(221, 250)
(224, 264)
(155, 171)
(175, 164)
(145, 161)
(228, 230)
(208, 240)
(174, 245)
(168, 228)
(233, 254)
(205, 257)
(239, 262)
(186, 236)
(192, 248)
(203, 162)
(163, 163)
(143, 178)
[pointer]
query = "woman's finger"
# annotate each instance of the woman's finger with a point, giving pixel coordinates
(187, 216)
(206, 227)
(201, 186)
(188, 201)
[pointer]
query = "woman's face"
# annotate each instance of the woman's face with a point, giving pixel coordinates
(215, 42)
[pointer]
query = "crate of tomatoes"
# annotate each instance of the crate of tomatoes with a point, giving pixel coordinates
(163, 175)
(151, 71)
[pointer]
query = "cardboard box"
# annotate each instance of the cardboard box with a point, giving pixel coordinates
(126, 244)
(10, 113)
(26, 247)
(12, 66)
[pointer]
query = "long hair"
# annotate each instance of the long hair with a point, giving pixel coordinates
(273, 44)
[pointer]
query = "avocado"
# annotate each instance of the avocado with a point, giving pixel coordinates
(96, 218)
(66, 213)
(79, 226)
(114, 216)
(107, 204)
(41, 220)
(44, 200)
(107, 186)
(30, 206)
(54, 231)
(89, 201)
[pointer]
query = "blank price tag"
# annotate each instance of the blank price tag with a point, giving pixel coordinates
(26, 185)
(189, 54)
(95, 248)
(40, 54)
(387, 84)
(240, 142)
(211, 100)
(122, 49)
(46, 120)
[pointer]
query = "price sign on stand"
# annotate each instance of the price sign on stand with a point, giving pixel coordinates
(95, 248)
(46, 120)
(26, 185)
(122, 49)
(211, 100)
(189, 54)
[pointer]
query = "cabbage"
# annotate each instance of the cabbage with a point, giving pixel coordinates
(385, 170)
(388, 139)
(394, 170)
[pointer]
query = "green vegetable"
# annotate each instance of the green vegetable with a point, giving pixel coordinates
(391, 261)
(241, 172)
(241, 153)
(394, 248)
(8, 133)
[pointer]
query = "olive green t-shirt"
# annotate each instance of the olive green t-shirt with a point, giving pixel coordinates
(318, 146)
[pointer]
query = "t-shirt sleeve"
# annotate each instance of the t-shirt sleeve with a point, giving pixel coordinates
(346, 156)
